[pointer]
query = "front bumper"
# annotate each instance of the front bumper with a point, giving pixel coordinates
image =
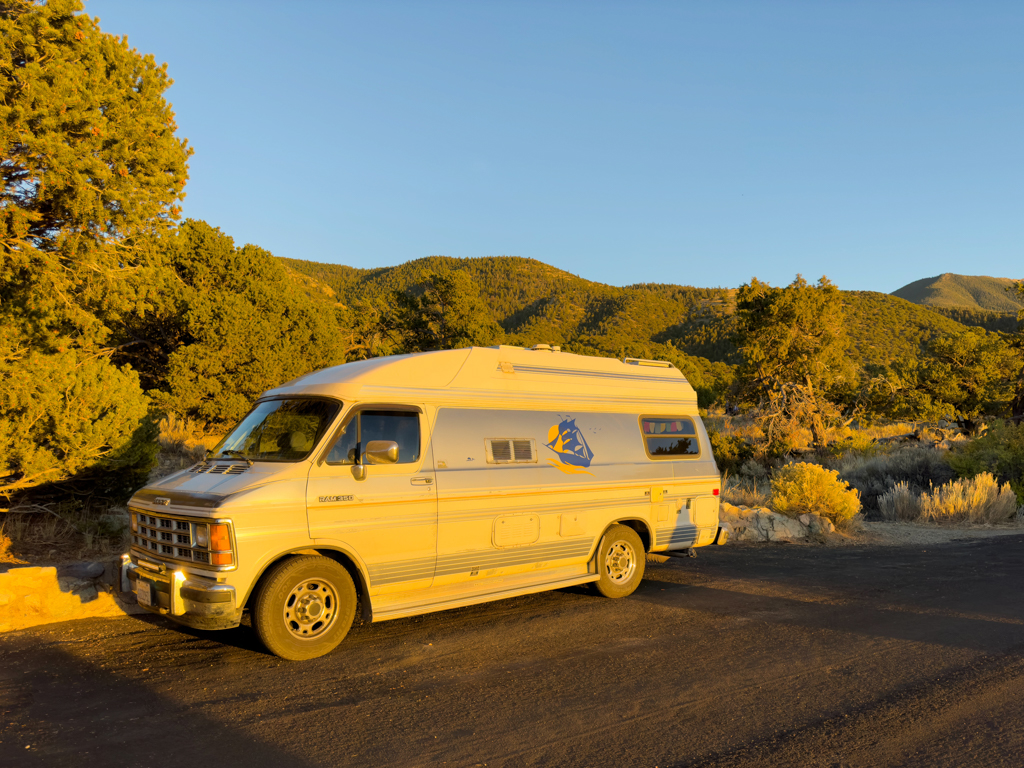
(193, 602)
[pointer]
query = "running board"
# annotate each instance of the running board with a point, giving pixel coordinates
(401, 611)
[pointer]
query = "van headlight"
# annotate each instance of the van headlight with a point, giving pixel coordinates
(202, 536)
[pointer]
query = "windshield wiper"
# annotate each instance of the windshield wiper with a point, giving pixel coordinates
(235, 454)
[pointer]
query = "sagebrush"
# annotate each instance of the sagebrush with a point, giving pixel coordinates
(1000, 452)
(917, 466)
(972, 500)
(809, 488)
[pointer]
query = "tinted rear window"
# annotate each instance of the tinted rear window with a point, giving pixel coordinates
(668, 437)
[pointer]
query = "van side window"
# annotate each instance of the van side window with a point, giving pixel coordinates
(401, 426)
(670, 437)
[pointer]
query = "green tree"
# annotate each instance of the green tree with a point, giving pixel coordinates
(1017, 344)
(969, 374)
(793, 342)
(91, 168)
(447, 314)
(229, 324)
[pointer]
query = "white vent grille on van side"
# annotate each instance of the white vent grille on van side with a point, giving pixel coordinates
(511, 450)
(522, 451)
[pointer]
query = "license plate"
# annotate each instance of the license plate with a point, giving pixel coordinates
(144, 592)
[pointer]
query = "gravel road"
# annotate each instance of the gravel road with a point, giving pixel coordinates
(745, 656)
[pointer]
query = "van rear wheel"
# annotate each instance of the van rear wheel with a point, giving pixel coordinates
(620, 562)
(305, 607)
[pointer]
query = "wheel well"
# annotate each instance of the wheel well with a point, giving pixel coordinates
(364, 610)
(641, 530)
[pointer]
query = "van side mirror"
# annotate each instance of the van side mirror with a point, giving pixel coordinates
(381, 452)
(359, 471)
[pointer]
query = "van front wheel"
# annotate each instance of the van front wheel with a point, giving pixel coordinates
(304, 608)
(620, 562)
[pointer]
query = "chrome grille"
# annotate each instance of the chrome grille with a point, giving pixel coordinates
(169, 537)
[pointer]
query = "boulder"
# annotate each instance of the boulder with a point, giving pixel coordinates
(90, 570)
(760, 524)
(820, 525)
(771, 526)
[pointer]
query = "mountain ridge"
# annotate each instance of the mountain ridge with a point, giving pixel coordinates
(536, 302)
(972, 292)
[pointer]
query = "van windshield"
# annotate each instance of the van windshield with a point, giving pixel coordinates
(278, 430)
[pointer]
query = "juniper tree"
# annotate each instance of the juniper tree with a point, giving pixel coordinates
(970, 376)
(1017, 344)
(793, 342)
(448, 314)
(230, 323)
(91, 168)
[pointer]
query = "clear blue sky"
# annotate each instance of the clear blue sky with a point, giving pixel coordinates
(693, 143)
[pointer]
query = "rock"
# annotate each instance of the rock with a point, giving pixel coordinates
(820, 525)
(770, 526)
(80, 570)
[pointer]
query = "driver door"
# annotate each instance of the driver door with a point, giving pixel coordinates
(389, 517)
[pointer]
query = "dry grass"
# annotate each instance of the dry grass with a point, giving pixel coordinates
(738, 426)
(6, 555)
(977, 500)
(745, 491)
(183, 442)
(874, 474)
(184, 437)
(43, 534)
(900, 504)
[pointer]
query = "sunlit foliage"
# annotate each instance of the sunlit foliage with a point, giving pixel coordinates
(91, 167)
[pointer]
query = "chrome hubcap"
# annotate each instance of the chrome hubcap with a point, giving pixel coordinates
(310, 608)
(620, 562)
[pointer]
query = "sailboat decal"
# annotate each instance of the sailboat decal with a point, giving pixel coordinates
(569, 445)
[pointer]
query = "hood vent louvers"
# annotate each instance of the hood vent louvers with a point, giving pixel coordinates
(218, 468)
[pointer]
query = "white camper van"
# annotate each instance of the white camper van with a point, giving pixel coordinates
(416, 483)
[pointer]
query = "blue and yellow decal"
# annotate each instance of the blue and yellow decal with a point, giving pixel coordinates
(571, 449)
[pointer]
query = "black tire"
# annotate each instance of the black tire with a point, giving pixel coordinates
(620, 561)
(304, 608)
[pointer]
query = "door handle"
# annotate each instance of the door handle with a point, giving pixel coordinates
(422, 481)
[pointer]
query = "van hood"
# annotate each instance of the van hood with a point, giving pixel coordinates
(206, 484)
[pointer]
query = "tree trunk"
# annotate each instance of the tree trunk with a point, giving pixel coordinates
(817, 427)
(1017, 404)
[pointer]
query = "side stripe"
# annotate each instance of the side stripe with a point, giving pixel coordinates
(464, 562)
(684, 534)
(401, 570)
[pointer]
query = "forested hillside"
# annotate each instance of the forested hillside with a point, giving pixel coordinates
(535, 302)
(1004, 322)
(990, 294)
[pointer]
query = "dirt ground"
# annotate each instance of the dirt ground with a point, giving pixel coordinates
(856, 656)
(913, 534)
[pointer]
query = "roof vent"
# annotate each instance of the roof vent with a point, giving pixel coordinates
(545, 348)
